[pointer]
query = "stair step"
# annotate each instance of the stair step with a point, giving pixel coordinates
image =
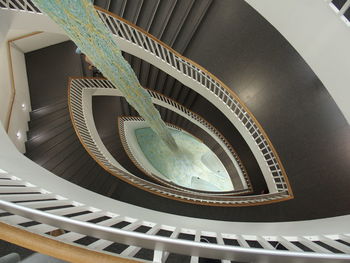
(118, 7)
(90, 176)
(178, 18)
(145, 19)
(50, 124)
(102, 3)
(76, 168)
(43, 111)
(99, 186)
(46, 137)
(58, 154)
(132, 10)
(174, 27)
(168, 85)
(83, 172)
(160, 21)
(191, 25)
(70, 160)
(146, 16)
(36, 152)
(48, 117)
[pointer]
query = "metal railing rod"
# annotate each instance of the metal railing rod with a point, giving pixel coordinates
(179, 246)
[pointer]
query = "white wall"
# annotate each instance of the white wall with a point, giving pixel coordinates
(5, 88)
(38, 41)
(20, 23)
(20, 115)
(320, 37)
(15, 24)
(21, 106)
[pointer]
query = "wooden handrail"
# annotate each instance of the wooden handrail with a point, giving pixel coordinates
(55, 248)
(122, 119)
(215, 80)
(12, 77)
(161, 190)
(235, 154)
(230, 91)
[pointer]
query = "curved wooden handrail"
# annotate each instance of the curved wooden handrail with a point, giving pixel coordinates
(126, 147)
(49, 218)
(217, 132)
(230, 91)
(194, 67)
(55, 248)
(80, 126)
(12, 78)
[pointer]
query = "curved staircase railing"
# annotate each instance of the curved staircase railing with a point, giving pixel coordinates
(208, 84)
(80, 109)
(201, 122)
(33, 217)
(159, 99)
(240, 180)
(266, 156)
(30, 215)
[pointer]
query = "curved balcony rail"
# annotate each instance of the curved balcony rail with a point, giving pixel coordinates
(201, 122)
(264, 152)
(148, 171)
(81, 112)
(141, 43)
(32, 216)
(341, 8)
(33, 213)
(103, 87)
(172, 105)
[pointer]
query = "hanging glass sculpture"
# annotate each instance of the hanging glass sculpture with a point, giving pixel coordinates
(83, 25)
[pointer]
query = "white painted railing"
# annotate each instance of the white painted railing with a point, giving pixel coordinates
(340, 11)
(81, 112)
(202, 123)
(25, 193)
(30, 207)
(137, 42)
(102, 89)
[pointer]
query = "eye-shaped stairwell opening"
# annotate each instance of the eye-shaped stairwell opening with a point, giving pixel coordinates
(81, 112)
(219, 142)
(64, 155)
(189, 97)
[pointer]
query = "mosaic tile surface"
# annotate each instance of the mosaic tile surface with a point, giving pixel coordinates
(193, 166)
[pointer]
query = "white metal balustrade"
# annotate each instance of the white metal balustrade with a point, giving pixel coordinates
(141, 42)
(201, 122)
(345, 7)
(37, 210)
(27, 203)
(189, 69)
(136, 36)
(82, 121)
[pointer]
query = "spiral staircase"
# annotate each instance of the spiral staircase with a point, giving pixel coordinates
(90, 209)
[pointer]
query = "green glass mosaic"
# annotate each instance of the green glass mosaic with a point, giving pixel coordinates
(194, 165)
(82, 24)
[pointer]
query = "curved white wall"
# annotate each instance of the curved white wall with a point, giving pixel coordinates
(320, 37)
(15, 24)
